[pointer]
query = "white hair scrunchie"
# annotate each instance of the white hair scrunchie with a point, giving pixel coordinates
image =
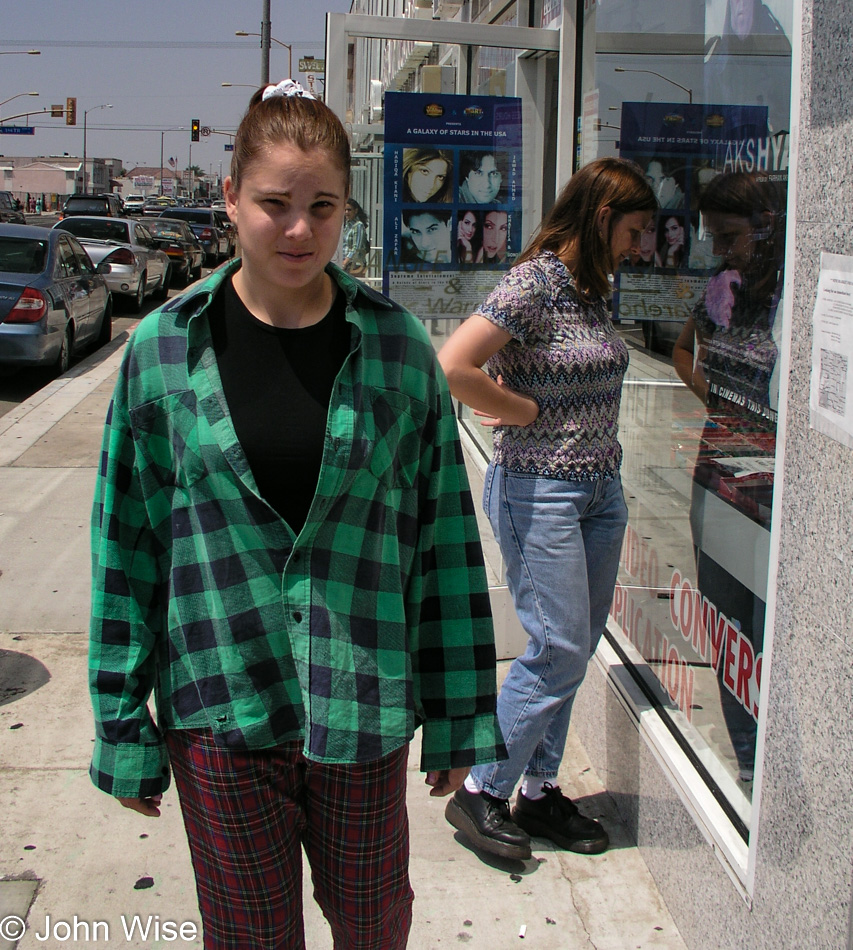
(287, 87)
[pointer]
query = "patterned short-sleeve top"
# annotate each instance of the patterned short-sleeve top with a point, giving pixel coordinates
(566, 354)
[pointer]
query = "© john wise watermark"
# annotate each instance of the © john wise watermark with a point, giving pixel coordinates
(77, 931)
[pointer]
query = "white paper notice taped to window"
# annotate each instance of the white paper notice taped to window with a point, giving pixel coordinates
(831, 395)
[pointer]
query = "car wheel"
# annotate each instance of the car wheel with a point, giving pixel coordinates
(162, 291)
(136, 301)
(105, 334)
(63, 361)
(196, 275)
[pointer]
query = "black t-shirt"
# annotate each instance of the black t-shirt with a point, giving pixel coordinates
(278, 383)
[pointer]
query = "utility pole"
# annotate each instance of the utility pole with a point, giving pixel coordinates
(266, 29)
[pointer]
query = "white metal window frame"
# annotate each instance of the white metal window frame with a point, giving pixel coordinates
(341, 28)
(736, 856)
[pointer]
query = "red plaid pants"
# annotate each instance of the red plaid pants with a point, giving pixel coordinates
(248, 813)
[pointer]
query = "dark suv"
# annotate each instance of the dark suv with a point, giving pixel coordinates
(212, 228)
(108, 206)
(9, 213)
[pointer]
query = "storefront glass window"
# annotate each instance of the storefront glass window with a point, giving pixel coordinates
(698, 93)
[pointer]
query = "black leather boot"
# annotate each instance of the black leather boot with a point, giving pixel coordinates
(557, 818)
(484, 820)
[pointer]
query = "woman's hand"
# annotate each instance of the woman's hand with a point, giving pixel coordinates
(150, 807)
(462, 358)
(528, 410)
(446, 781)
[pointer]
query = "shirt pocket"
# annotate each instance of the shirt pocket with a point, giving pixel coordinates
(166, 433)
(397, 436)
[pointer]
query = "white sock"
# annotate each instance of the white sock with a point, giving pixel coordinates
(531, 787)
(471, 785)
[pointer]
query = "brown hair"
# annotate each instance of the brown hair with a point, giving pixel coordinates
(753, 195)
(571, 223)
(415, 157)
(289, 120)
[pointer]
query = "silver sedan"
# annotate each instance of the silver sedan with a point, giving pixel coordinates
(126, 253)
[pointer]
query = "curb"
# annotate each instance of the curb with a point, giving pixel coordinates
(24, 425)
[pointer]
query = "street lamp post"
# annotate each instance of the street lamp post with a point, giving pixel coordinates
(651, 72)
(20, 52)
(85, 113)
(265, 66)
(18, 96)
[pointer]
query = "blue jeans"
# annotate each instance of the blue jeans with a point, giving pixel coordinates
(561, 542)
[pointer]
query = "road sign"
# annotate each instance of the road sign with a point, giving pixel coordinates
(229, 147)
(205, 130)
(17, 130)
(312, 66)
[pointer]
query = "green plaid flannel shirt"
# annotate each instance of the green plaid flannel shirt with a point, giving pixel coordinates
(374, 620)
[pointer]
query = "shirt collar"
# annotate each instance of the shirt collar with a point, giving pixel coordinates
(201, 293)
(355, 289)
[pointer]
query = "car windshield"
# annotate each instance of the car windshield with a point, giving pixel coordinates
(196, 215)
(166, 229)
(22, 255)
(102, 230)
(86, 204)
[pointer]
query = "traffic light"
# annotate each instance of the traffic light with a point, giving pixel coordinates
(71, 111)
(196, 126)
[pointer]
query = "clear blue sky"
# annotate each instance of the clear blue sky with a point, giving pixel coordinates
(159, 62)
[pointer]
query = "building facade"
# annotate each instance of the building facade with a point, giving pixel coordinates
(52, 178)
(718, 707)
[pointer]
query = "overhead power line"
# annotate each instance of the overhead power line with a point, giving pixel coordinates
(146, 44)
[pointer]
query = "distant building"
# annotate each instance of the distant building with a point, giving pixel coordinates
(54, 177)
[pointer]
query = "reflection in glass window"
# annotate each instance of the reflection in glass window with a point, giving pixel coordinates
(698, 94)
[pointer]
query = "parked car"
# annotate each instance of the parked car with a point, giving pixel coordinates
(133, 204)
(183, 247)
(126, 254)
(218, 204)
(53, 301)
(212, 228)
(107, 206)
(154, 207)
(9, 212)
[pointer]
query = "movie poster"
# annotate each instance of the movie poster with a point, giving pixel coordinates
(682, 148)
(452, 199)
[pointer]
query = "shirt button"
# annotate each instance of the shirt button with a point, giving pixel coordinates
(297, 617)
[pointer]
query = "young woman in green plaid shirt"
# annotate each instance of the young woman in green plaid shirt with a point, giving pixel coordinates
(286, 554)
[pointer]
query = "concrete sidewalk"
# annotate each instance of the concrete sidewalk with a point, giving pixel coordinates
(79, 870)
